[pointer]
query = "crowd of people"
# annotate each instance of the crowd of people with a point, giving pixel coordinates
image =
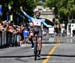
(17, 35)
(20, 33)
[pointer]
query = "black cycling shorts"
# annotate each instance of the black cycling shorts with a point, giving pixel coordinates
(37, 30)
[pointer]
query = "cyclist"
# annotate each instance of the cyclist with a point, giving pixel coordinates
(36, 24)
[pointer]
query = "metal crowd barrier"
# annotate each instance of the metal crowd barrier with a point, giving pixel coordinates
(7, 39)
(0, 39)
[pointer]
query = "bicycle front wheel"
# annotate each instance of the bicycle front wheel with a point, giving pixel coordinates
(35, 51)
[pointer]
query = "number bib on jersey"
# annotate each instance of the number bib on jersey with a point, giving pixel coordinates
(35, 23)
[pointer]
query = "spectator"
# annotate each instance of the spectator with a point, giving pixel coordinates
(31, 34)
(22, 42)
(26, 34)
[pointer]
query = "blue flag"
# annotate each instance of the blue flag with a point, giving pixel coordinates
(0, 10)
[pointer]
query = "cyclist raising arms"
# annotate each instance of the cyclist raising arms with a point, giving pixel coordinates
(37, 22)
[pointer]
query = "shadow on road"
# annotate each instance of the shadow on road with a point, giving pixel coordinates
(16, 56)
(59, 55)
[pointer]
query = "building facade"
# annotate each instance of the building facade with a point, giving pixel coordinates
(46, 13)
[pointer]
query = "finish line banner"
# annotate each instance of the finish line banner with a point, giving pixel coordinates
(0, 10)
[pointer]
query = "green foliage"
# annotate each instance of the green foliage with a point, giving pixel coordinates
(73, 9)
(63, 11)
(64, 7)
(28, 5)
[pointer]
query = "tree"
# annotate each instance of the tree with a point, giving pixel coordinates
(63, 8)
(28, 5)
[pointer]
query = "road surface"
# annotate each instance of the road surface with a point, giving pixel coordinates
(60, 51)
